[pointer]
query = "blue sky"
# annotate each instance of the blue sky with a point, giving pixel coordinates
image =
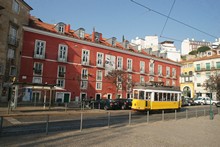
(115, 18)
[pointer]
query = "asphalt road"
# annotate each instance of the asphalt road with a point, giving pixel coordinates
(64, 122)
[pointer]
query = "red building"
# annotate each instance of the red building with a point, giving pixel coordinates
(78, 62)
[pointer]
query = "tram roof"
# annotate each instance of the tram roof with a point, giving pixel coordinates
(164, 88)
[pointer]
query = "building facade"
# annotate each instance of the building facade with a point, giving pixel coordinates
(13, 15)
(169, 48)
(79, 62)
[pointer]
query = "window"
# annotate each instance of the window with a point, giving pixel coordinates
(100, 57)
(12, 71)
(198, 74)
(151, 78)
(173, 72)
(198, 68)
(218, 65)
(160, 70)
(38, 67)
(61, 28)
(142, 80)
(39, 49)
(167, 82)
(208, 66)
(11, 53)
(208, 74)
(37, 80)
(198, 84)
(83, 84)
(98, 75)
(142, 66)
(151, 65)
(15, 6)
(85, 57)
(62, 55)
(129, 64)
(84, 74)
(61, 71)
(12, 38)
(98, 85)
(60, 83)
(173, 83)
(119, 63)
(168, 71)
(81, 33)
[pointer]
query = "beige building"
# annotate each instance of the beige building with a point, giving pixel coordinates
(13, 15)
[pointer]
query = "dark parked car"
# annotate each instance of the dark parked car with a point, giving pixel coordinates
(104, 104)
(217, 104)
(188, 102)
(127, 104)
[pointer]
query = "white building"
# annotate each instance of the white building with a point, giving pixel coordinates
(148, 42)
(169, 48)
(189, 45)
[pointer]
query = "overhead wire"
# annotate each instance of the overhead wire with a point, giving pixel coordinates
(159, 13)
(167, 18)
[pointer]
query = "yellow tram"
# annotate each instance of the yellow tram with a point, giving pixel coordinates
(154, 97)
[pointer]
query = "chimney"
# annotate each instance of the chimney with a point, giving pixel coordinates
(67, 28)
(93, 35)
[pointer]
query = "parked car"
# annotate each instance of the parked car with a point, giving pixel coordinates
(213, 102)
(124, 103)
(188, 102)
(104, 104)
(217, 104)
(201, 100)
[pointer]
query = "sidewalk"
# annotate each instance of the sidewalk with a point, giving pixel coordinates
(194, 132)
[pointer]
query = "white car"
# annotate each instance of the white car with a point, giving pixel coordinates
(201, 100)
(213, 102)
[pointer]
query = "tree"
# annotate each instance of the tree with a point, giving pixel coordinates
(203, 49)
(213, 84)
(118, 78)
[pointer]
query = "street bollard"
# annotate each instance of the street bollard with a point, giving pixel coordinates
(162, 115)
(109, 117)
(129, 118)
(1, 123)
(148, 116)
(175, 114)
(47, 124)
(81, 122)
(65, 107)
(186, 114)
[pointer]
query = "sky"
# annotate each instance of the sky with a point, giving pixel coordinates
(115, 18)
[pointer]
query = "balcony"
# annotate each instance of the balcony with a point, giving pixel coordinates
(12, 40)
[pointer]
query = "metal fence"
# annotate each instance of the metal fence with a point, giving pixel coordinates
(19, 124)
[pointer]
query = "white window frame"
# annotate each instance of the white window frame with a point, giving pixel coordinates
(142, 79)
(38, 66)
(174, 72)
(83, 84)
(142, 67)
(38, 79)
(85, 57)
(61, 70)
(61, 83)
(120, 63)
(84, 74)
(160, 70)
(129, 64)
(99, 59)
(11, 53)
(39, 51)
(62, 53)
(61, 28)
(99, 75)
(151, 67)
(167, 71)
(98, 85)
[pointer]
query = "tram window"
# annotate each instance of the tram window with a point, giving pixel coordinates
(175, 96)
(148, 95)
(156, 96)
(160, 96)
(172, 97)
(135, 94)
(141, 95)
(164, 96)
(168, 96)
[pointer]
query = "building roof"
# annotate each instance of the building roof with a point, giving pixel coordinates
(37, 23)
(200, 59)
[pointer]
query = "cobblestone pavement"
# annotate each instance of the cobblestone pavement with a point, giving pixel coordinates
(192, 132)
